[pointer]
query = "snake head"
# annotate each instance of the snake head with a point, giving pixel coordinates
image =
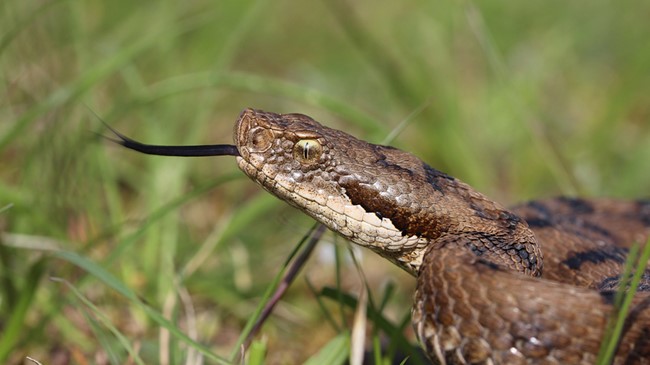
(290, 155)
(350, 185)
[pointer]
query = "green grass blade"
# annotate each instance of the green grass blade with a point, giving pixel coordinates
(326, 312)
(335, 352)
(111, 281)
(257, 353)
(13, 330)
(124, 342)
(103, 338)
(6, 208)
(377, 318)
(623, 301)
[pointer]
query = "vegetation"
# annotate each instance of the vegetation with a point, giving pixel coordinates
(111, 257)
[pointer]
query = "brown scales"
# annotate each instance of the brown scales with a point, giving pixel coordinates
(479, 297)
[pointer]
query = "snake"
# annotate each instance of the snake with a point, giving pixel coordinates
(531, 284)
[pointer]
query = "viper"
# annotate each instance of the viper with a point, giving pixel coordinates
(533, 284)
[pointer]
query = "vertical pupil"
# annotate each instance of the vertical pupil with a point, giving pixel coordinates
(305, 150)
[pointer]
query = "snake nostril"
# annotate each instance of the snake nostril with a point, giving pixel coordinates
(260, 139)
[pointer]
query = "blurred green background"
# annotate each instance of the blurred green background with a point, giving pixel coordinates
(111, 257)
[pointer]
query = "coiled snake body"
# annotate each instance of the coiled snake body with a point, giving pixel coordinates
(530, 285)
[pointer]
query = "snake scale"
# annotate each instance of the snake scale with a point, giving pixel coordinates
(533, 284)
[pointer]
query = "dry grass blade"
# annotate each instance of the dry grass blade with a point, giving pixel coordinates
(358, 338)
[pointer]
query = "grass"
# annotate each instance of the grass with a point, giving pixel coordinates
(107, 256)
(635, 267)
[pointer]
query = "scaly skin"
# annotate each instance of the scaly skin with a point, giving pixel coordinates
(531, 285)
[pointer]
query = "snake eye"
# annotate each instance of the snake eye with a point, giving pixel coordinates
(307, 151)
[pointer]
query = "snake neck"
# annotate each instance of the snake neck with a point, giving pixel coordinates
(466, 220)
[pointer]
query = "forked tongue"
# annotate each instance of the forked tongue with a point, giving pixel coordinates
(182, 151)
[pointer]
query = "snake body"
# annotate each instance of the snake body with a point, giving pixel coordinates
(529, 285)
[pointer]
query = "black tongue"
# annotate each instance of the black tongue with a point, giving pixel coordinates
(182, 151)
